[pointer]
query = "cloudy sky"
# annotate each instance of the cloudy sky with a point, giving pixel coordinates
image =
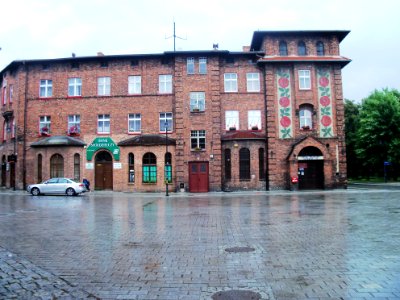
(56, 28)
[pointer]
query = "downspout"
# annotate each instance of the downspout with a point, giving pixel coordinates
(25, 124)
(266, 129)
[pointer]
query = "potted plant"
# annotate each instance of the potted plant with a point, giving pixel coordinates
(232, 128)
(196, 109)
(73, 130)
(254, 127)
(44, 130)
(305, 127)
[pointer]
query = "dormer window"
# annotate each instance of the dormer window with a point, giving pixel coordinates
(320, 48)
(283, 51)
(301, 48)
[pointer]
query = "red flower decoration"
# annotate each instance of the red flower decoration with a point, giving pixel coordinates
(326, 121)
(285, 121)
(283, 82)
(284, 101)
(325, 101)
(323, 81)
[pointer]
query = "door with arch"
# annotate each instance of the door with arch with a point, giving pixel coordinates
(103, 173)
(311, 168)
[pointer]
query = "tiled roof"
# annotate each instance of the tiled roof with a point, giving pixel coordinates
(147, 140)
(243, 135)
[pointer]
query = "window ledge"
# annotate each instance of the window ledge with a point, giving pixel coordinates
(197, 112)
(149, 183)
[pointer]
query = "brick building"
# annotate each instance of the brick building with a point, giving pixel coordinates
(199, 120)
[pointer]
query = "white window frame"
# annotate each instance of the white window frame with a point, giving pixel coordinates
(166, 117)
(254, 119)
(305, 116)
(104, 86)
(304, 79)
(103, 124)
(134, 84)
(198, 138)
(75, 87)
(197, 101)
(253, 82)
(202, 65)
(136, 121)
(165, 84)
(230, 83)
(46, 85)
(44, 121)
(231, 119)
(190, 67)
(74, 121)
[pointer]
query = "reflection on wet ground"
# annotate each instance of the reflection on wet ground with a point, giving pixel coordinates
(333, 245)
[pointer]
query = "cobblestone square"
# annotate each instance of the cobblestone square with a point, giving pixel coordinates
(341, 244)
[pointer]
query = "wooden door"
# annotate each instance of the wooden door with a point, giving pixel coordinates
(103, 173)
(198, 177)
(311, 174)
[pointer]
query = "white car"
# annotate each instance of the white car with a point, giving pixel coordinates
(65, 186)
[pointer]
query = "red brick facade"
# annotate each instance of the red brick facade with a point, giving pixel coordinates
(241, 89)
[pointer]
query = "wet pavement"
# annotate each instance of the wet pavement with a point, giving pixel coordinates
(276, 245)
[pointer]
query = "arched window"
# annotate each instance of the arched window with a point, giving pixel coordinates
(168, 167)
(77, 167)
(301, 48)
(320, 48)
(56, 166)
(244, 164)
(228, 164)
(40, 168)
(131, 168)
(283, 51)
(149, 168)
(261, 168)
(305, 115)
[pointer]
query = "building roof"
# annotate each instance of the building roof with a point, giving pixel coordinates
(58, 141)
(258, 36)
(147, 140)
(278, 59)
(243, 135)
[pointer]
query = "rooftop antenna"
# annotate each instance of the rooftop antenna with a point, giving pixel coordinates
(175, 36)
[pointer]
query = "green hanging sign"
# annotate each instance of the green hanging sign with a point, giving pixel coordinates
(102, 143)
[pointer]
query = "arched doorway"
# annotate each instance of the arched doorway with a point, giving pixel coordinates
(311, 168)
(103, 178)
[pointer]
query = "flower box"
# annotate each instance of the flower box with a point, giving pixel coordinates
(254, 128)
(232, 128)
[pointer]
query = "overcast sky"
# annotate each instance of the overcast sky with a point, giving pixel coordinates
(57, 28)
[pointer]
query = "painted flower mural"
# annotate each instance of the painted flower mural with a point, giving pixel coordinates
(284, 104)
(325, 103)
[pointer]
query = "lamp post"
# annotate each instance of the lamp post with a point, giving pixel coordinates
(165, 158)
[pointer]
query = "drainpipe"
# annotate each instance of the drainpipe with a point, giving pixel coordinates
(266, 129)
(25, 124)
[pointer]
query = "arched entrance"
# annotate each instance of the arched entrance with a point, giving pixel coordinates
(311, 168)
(103, 173)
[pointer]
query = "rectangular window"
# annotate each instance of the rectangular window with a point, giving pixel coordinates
(197, 139)
(254, 119)
(166, 121)
(74, 124)
(197, 101)
(74, 87)
(46, 88)
(11, 92)
(134, 123)
(103, 86)
(202, 65)
(134, 85)
(165, 84)
(44, 125)
(230, 82)
(149, 174)
(231, 120)
(103, 123)
(253, 82)
(4, 95)
(304, 79)
(190, 65)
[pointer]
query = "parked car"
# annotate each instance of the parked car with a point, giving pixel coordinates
(65, 186)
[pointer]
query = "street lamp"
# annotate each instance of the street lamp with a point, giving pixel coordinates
(165, 159)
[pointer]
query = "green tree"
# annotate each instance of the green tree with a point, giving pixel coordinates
(352, 120)
(378, 134)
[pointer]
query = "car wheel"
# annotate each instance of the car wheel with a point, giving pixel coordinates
(35, 192)
(70, 192)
